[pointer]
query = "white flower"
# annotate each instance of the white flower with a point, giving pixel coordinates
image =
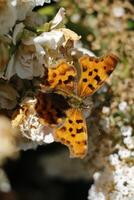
(126, 130)
(47, 40)
(123, 178)
(33, 54)
(116, 195)
(95, 195)
(105, 110)
(8, 16)
(50, 40)
(75, 18)
(118, 11)
(129, 142)
(114, 159)
(47, 46)
(96, 176)
(48, 138)
(24, 8)
(123, 105)
(27, 67)
(28, 122)
(114, 184)
(124, 153)
(40, 2)
(32, 129)
(41, 135)
(27, 63)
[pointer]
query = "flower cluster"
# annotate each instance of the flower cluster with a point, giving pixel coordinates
(29, 46)
(15, 65)
(114, 164)
(116, 180)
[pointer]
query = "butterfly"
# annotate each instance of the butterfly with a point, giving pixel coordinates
(65, 79)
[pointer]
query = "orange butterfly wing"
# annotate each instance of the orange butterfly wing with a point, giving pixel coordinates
(50, 108)
(94, 71)
(61, 77)
(73, 133)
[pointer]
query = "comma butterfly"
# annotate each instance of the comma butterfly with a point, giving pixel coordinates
(64, 79)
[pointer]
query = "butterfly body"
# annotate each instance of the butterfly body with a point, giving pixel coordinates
(64, 79)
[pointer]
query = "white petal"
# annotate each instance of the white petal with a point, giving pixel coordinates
(40, 2)
(50, 39)
(10, 68)
(8, 17)
(49, 138)
(23, 71)
(38, 70)
(17, 32)
(58, 18)
(23, 8)
(13, 3)
(39, 49)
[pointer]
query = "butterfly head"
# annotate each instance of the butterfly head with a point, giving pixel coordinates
(77, 102)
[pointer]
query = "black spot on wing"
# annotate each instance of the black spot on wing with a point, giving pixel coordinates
(91, 59)
(70, 79)
(70, 129)
(60, 81)
(105, 67)
(90, 73)
(79, 121)
(97, 78)
(96, 61)
(96, 70)
(84, 80)
(73, 135)
(70, 121)
(67, 142)
(91, 86)
(63, 128)
(54, 75)
(109, 72)
(84, 68)
(80, 130)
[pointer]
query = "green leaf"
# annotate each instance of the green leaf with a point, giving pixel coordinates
(130, 24)
(48, 10)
